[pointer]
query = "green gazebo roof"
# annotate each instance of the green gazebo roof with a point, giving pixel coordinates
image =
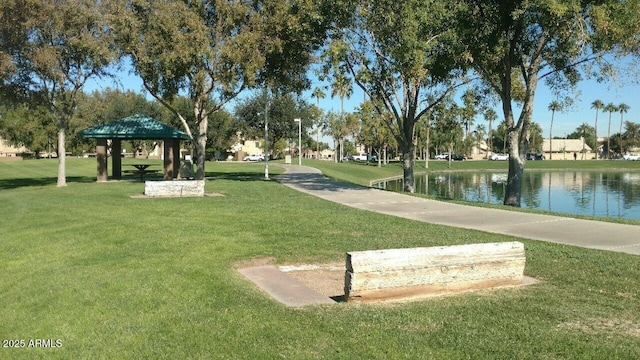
(134, 127)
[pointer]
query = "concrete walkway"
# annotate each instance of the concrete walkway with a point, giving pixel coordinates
(561, 230)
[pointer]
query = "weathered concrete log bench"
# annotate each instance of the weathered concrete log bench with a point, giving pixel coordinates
(174, 188)
(396, 274)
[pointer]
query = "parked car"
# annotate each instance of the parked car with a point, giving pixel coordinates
(361, 157)
(254, 157)
(442, 156)
(632, 157)
(498, 157)
(535, 156)
(457, 157)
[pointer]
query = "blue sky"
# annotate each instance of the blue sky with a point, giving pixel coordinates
(564, 122)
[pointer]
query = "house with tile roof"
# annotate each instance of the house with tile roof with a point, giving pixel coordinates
(564, 149)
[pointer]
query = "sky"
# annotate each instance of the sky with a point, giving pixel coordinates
(565, 122)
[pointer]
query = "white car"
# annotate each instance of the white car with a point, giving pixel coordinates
(360, 157)
(254, 157)
(442, 156)
(499, 157)
(632, 157)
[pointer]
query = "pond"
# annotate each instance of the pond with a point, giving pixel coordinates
(591, 193)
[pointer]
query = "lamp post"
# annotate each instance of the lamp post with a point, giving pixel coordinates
(299, 121)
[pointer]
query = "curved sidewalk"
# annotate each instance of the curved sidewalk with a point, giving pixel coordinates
(561, 230)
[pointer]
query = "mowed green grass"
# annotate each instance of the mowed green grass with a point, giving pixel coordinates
(112, 277)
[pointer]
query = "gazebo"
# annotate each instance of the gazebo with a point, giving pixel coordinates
(135, 127)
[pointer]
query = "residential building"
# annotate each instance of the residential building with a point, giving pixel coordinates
(564, 149)
(9, 151)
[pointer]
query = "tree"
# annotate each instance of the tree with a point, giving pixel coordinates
(213, 50)
(622, 109)
(58, 46)
(516, 44)
(535, 137)
(341, 87)
(632, 133)
(490, 116)
(373, 129)
(610, 108)
(553, 107)
(447, 131)
(284, 108)
(468, 112)
(318, 94)
(31, 127)
(584, 131)
(111, 105)
(339, 127)
(598, 105)
(475, 140)
(16, 21)
(398, 53)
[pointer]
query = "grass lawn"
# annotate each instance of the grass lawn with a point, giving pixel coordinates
(115, 277)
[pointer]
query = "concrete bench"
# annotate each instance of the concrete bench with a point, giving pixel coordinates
(174, 188)
(396, 274)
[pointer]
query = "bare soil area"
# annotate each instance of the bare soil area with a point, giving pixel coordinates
(327, 279)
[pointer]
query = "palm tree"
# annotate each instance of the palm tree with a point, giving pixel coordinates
(490, 115)
(554, 106)
(598, 105)
(622, 109)
(610, 108)
(342, 88)
(318, 94)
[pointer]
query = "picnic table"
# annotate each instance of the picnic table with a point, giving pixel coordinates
(141, 169)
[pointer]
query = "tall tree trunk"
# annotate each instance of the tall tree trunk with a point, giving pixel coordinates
(407, 171)
(407, 167)
(201, 153)
(516, 168)
(62, 155)
(201, 138)
(595, 138)
(609, 137)
(551, 137)
(490, 144)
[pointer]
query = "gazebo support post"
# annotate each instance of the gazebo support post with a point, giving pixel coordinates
(171, 169)
(101, 156)
(116, 158)
(176, 158)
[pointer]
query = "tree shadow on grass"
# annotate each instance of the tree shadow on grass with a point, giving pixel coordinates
(6, 184)
(317, 182)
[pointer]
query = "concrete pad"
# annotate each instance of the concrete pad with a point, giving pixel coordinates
(283, 287)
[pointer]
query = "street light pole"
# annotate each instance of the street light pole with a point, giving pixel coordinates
(299, 121)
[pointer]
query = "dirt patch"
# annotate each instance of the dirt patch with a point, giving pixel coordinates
(325, 280)
(605, 326)
(255, 262)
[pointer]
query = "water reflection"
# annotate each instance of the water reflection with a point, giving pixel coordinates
(605, 194)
